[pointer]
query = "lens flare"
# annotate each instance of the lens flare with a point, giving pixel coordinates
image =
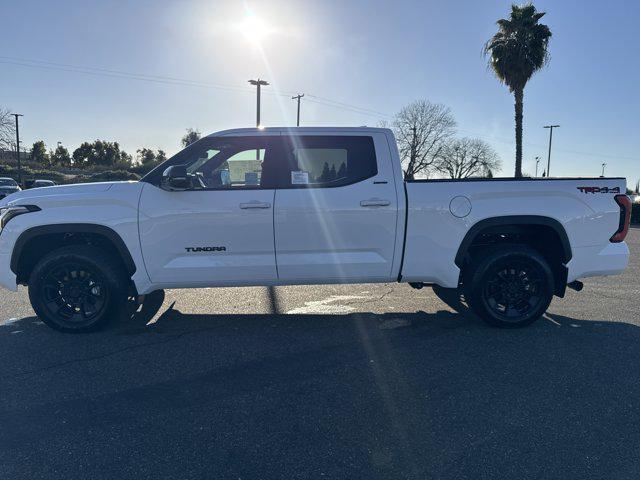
(253, 29)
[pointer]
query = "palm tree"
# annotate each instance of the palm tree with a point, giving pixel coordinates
(517, 51)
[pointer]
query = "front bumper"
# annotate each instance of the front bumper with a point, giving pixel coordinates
(7, 277)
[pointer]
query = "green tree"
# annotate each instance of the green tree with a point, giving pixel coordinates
(39, 153)
(146, 156)
(60, 157)
(516, 52)
(83, 155)
(342, 171)
(190, 137)
(101, 154)
(326, 173)
(150, 158)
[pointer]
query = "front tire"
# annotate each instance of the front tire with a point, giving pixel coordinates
(78, 289)
(510, 286)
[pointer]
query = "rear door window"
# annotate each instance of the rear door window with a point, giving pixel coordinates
(327, 161)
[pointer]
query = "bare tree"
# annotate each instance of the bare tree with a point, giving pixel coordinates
(468, 157)
(422, 129)
(7, 130)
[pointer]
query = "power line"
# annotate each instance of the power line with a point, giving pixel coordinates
(327, 102)
(120, 74)
(539, 145)
(167, 80)
(346, 105)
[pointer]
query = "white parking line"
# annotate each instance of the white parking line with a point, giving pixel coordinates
(327, 306)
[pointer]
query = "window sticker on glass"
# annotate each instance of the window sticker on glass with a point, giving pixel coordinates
(299, 178)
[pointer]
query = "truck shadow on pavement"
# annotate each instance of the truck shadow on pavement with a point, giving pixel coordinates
(359, 395)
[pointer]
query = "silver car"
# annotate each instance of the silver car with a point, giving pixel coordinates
(8, 186)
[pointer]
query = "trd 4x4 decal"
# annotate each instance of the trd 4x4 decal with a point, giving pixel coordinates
(599, 189)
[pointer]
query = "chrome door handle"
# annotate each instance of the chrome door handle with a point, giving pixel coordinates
(255, 205)
(375, 202)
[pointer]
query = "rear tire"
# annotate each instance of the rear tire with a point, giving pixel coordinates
(78, 289)
(509, 286)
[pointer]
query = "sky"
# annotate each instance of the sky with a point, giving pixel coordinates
(186, 64)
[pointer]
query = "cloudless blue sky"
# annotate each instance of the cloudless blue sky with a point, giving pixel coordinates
(377, 55)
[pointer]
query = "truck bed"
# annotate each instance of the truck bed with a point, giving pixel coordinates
(441, 212)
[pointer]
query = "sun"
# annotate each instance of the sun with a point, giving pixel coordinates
(253, 29)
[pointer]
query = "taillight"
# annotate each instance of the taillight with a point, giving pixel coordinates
(625, 218)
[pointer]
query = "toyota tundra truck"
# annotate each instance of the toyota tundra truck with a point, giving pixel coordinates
(287, 206)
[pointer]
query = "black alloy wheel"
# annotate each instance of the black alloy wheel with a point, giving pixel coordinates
(509, 286)
(79, 288)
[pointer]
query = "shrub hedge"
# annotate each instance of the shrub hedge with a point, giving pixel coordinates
(29, 173)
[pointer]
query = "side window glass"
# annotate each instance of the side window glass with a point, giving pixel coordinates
(329, 161)
(322, 165)
(242, 169)
(230, 163)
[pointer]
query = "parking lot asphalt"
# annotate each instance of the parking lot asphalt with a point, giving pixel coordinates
(356, 381)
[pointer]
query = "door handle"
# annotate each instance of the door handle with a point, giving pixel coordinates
(255, 204)
(375, 202)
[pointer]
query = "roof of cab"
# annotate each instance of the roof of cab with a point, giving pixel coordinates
(297, 131)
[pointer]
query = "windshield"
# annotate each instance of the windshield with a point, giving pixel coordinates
(7, 182)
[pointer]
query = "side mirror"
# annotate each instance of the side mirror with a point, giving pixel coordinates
(175, 178)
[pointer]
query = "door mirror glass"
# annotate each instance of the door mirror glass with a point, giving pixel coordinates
(176, 178)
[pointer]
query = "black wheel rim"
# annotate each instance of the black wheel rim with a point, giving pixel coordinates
(75, 294)
(514, 290)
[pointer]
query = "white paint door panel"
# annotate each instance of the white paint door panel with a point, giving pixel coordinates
(340, 233)
(241, 221)
(325, 234)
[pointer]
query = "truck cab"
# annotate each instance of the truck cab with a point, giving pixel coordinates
(312, 207)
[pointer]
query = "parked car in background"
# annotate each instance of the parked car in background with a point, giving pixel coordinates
(38, 183)
(8, 186)
(43, 183)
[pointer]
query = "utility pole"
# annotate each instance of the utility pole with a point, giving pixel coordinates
(603, 165)
(550, 127)
(537, 163)
(298, 97)
(258, 83)
(18, 146)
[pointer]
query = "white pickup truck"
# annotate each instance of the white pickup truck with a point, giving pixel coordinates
(283, 206)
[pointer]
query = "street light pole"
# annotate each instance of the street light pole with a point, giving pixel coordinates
(550, 127)
(298, 97)
(258, 83)
(18, 146)
(537, 163)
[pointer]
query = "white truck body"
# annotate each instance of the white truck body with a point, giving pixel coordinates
(379, 229)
